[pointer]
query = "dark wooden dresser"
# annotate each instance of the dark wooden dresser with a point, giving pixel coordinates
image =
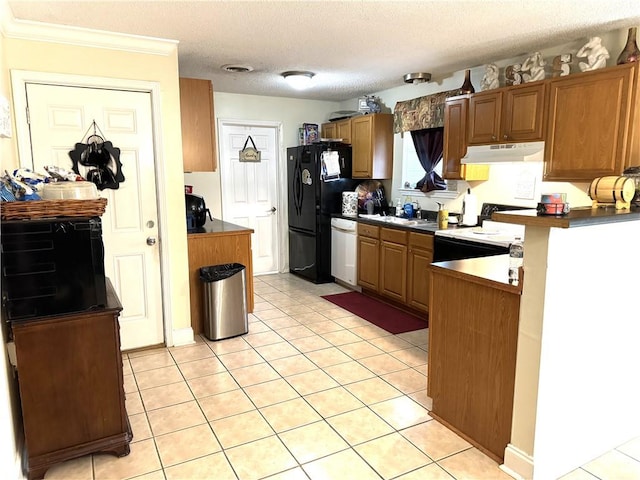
(71, 386)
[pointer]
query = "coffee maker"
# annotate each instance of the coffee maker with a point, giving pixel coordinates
(196, 211)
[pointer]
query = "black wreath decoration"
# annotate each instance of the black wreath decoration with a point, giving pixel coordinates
(103, 156)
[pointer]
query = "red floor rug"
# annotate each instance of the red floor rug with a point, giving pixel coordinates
(384, 316)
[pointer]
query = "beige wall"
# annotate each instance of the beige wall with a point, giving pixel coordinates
(163, 69)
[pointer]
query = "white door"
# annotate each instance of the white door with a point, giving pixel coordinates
(250, 189)
(59, 118)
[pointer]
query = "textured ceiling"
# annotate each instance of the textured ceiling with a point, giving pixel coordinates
(354, 47)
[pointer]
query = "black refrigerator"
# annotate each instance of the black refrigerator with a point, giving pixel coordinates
(316, 177)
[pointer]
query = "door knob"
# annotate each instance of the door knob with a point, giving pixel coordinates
(272, 210)
(151, 241)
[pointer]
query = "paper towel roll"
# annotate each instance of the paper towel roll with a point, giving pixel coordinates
(350, 204)
(470, 203)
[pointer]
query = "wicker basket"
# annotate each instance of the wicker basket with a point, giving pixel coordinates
(35, 209)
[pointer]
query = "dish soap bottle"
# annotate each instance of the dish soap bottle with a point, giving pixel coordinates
(516, 257)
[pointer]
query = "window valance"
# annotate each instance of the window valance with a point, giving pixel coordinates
(422, 112)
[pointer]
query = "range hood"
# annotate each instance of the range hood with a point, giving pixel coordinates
(506, 152)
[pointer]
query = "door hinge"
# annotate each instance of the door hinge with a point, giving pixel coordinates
(28, 118)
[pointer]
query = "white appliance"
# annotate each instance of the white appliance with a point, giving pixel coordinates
(344, 250)
(505, 152)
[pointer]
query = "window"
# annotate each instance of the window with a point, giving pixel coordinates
(412, 171)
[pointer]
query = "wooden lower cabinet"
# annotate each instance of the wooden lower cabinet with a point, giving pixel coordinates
(394, 264)
(71, 386)
(368, 256)
(420, 256)
(220, 244)
(473, 330)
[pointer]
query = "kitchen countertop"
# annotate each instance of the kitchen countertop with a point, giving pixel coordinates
(577, 217)
(219, 227)
(489, 271)
(429, 228)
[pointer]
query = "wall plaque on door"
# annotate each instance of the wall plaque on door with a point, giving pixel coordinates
(249, 154)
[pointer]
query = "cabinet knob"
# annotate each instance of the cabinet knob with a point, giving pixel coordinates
(493, 137)
(506, 137)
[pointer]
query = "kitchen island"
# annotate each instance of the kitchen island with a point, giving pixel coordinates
(217, 242)
(473, 329)
(576, 391)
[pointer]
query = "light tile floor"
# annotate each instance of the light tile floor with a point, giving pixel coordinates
(311, 392)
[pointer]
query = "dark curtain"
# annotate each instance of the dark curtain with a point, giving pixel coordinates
(428, 144)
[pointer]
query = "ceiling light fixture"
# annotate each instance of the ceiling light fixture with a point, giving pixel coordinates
(298, 79)
(417, 77)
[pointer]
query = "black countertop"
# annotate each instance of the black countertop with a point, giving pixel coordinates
(428, 229)
(218, 227)
(577, 217)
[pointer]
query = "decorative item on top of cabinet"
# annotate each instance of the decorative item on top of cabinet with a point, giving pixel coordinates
(198, 125)
(594, 138)
(512, 114)
(372, 142)
(490, 79)
(513, 74)
(533, 68)
(595, 53)
(630, 53)
(455, 143)
(467, 86)
(562, 65)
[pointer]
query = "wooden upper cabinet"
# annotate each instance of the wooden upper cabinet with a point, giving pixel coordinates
(512, 114)
(372, 145)
(344, 130)
(589, 124)
(329, 130)
(455, 143)
(198, 125)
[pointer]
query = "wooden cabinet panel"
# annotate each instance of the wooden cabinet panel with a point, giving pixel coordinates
(393, 270)
(372, 145)
(455, 144)
(368, 262)
(215, 249)
(523, 113)
(71, 386)
(472, 357)
(484, 118)
(198, 125)
(420, 256)
(588, 124)
(344, 130)
(329, 130)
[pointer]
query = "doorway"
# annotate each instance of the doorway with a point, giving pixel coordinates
(59, 116)
(250, 190)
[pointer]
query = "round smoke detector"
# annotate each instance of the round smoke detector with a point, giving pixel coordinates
(237, 68)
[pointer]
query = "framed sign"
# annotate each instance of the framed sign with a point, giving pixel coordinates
(249, 154)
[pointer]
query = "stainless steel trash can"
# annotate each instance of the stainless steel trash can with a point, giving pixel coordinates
(225, 300)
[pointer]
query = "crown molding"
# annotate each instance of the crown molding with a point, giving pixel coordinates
(85, 37)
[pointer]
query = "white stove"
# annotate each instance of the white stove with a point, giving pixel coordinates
(490, 233)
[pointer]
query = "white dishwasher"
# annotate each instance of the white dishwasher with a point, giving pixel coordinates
(344, 250)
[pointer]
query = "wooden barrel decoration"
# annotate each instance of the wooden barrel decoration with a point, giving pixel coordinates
(616, 190)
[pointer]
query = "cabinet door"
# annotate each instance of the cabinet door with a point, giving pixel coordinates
(368, 262)
(484, 118)
(522, 114)
(419, 259)
(198, 127)
(344, 130)
(393, 271)
(362, 152)
(328, 130)
(588, 122)
(455, 138)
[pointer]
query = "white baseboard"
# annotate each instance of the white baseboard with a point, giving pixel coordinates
(182, 336)
(517, 464)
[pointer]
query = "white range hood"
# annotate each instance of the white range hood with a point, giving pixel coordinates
(506, 152)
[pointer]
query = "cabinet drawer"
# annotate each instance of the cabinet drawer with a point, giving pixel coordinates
(366, 230)
(395, 236)
(421, 240)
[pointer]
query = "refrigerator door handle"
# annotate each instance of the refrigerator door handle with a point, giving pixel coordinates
(297, 188)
